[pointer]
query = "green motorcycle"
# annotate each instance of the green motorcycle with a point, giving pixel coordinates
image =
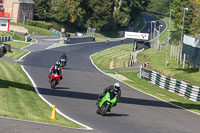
(106, 103)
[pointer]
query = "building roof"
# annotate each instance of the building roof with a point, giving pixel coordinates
(26, 1)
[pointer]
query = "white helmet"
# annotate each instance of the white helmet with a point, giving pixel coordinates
(58, 63)
(116, 86)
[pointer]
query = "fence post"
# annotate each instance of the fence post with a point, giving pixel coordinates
(178, 54)
(188, 61)
(180, 57)
(174, 51)
(184, 56)
(171, 50)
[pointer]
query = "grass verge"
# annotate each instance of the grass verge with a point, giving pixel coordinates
(34, 30)
(19, 99)
(114, 58)
(17, 52)
(157, 61)
(154, 90)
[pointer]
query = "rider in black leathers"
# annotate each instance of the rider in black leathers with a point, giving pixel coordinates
(113, 90)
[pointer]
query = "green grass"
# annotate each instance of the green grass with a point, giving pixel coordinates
(118, 55)
(154, 90)
(56, 45)
(16, 53)
(18, 37)
(35, 30)
(157, 62)
(17, 44)
(18, 98)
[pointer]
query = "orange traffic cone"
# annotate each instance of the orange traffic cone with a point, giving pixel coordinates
(53, 113)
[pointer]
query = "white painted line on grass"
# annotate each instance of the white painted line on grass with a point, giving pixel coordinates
(137, 89)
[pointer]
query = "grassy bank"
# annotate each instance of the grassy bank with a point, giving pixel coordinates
(119, 54)
(17, 52)
(34, 30)
(19, 99)
(114, 58)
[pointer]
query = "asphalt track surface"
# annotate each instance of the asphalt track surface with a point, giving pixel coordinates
(77, 93)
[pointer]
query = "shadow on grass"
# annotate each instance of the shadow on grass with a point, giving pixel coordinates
(188, 106)
(7, 84)
(189, 70)
(90, 96)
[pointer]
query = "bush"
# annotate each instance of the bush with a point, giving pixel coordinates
(41, 24)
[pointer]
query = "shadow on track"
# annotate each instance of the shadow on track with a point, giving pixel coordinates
(62, 88)
(90, 96)
(116, 115)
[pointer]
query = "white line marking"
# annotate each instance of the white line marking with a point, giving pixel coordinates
(30, 44)
(136, 89)
(58, 111)
(9, 118)
(24, 56)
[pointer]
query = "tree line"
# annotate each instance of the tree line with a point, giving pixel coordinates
(191, 16)
(103, 15)
(107, 15)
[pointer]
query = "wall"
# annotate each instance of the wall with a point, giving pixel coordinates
(18, 29)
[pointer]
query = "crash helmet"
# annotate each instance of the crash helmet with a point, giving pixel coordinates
(63, 54)
(116, 86)
(58, 63)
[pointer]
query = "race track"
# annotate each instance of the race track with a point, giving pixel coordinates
(77, 94)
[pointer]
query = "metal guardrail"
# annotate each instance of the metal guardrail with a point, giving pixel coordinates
(182, 88)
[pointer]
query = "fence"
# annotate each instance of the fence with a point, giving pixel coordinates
(5, 38)
(182, 88)
(191, 48)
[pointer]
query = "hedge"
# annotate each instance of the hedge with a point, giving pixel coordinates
(41, 24)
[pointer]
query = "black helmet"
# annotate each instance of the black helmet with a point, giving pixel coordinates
(63, 54)
(117, 86)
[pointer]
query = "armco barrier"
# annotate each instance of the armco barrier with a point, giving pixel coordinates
(5, 38)
(78, 40)
(182, 88)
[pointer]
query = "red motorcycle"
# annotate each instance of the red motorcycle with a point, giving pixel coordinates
(54, 79)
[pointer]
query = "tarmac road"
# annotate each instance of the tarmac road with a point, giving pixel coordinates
(77, 94)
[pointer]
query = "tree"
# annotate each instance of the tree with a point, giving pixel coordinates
(178, 6)
(100, 13)
(42, 10)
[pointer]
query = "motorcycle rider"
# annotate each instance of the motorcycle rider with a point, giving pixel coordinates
(63, 55)
(56, 68)
(113, 90)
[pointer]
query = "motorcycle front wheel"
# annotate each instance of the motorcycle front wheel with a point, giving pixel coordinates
(53, 84)
(104, 109)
